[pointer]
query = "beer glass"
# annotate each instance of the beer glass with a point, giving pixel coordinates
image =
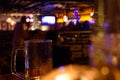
(38, 59)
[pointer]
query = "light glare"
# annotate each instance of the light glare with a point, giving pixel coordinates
(63, 77)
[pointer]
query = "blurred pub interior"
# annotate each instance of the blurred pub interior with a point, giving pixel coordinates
(68, 23)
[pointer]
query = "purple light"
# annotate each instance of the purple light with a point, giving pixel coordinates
(76, 11)
(91, 47)
(61, 68)
(76, 14)
(106, 25)
(92, 21)
(108, 58)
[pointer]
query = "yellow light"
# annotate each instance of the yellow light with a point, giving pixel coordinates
(31, 15)
(13, 23)
(31, 20)
(92, 13)
(65, 18)
(9, 20)
(44, 28)
(105, 70)
(27, 20)
(85, 18)
(63, 77)
(60, 20)
(114, 60)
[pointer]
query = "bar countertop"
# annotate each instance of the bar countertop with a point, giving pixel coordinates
(114, 76)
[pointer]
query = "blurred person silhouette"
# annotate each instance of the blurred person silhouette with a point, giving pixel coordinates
(19, 36)
(86, 25)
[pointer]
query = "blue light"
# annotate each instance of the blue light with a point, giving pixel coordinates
(48, 20)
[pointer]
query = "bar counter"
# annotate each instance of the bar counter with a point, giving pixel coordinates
(115, 75)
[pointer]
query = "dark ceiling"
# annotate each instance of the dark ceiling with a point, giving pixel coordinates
(36, 5)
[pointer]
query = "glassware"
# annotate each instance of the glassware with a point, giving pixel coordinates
(38, 59)
(104, 53)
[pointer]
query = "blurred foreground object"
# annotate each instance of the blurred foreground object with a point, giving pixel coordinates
(38, 59)
(73, 72)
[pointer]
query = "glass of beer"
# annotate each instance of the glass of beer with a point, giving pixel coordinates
(38, 59)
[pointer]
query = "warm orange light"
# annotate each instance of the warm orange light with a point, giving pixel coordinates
(86, 11)
(62, 19)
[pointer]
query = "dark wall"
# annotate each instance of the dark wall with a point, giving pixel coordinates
(5, 51)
